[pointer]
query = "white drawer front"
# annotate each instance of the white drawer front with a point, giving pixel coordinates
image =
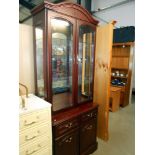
(34, 118)
(35, 132)
(33, 148)
(46, 151)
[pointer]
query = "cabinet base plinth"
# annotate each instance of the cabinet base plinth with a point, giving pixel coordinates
(90, 150)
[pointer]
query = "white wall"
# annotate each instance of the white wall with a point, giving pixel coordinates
(124, 14)
(103, 3)
(26, 63)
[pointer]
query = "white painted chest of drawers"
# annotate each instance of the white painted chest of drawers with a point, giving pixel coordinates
(35, 131)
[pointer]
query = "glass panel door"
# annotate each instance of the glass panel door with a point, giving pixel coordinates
(85, 63)
(39, 61)
(62, 55)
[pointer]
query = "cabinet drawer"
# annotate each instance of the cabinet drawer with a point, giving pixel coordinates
(89, 115)
(34, 118)
(66, 126)
(33, 148)
(33, 133)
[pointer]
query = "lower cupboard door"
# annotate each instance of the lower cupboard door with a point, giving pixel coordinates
(67, 145)
(87, 135)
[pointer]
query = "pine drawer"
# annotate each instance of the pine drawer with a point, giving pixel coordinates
(35, 132)
(32, 148)
(34, 118)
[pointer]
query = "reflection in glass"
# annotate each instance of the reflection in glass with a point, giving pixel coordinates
(85, 63)
(61, 64)
(39, 61)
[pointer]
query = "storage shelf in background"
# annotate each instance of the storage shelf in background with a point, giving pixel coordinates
(120, 44)
(117, 86)
(119, 68)
(120, 56)
(123, 87)
(122, 77)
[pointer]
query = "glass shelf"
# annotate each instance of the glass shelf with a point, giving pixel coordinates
(122, 77)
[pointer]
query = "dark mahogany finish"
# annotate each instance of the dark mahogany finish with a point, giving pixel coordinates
(68, 144)
(74, 128)
(84, 109)
(69, 9)
(87, 136)
(65, 126)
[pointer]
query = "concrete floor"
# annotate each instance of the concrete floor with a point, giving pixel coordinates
(121, 133)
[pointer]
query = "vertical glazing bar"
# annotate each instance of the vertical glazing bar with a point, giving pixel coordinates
(83, 63)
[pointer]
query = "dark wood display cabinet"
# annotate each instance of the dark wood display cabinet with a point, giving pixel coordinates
(64, 45)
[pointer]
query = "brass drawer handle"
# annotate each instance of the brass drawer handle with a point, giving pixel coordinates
(27, 124)
(27, 139)
(69, 125)
(33, 122)
(89, 127)
(90, 115)
(69, 140)
(29, 153)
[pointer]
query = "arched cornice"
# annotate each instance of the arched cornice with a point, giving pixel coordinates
(70, 9)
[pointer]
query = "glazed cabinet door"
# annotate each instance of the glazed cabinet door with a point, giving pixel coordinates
(85, 58)
(67, 145)
(39, 61)
(39, 55)
(87, 135)
(62, 61)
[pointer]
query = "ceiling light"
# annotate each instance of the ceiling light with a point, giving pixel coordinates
(59, 23)
(39, 33)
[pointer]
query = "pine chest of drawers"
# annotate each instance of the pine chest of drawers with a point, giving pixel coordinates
(35, 132)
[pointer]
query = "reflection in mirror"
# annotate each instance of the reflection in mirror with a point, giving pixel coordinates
(61, 64)
(85, 63)
(39, 61)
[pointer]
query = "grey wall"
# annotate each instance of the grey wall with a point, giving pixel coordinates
(124, 14)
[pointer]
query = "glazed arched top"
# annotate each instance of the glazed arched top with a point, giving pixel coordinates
(70, 9)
